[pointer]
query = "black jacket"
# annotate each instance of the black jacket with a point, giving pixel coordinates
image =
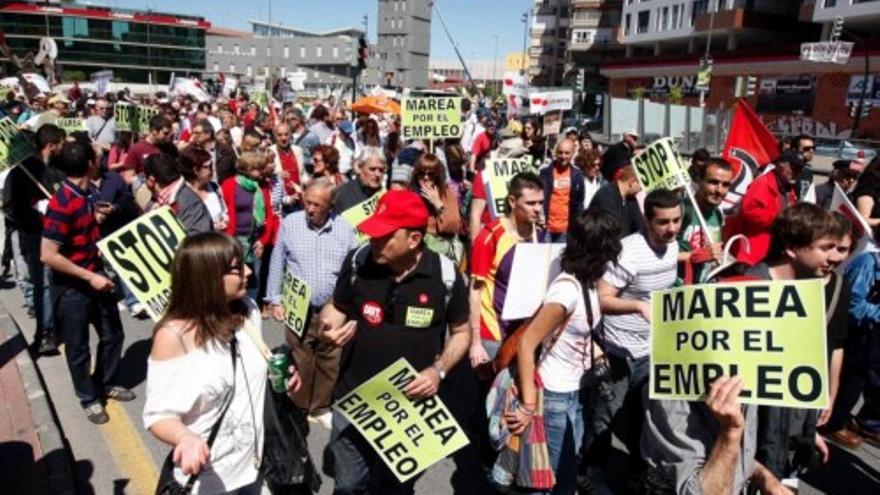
(626, 211)
(576, 192)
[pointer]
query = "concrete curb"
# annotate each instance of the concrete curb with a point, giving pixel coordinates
(56, 462)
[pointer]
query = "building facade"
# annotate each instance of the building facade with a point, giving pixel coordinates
(404, 42)
(548, 41)
(666, 39)
(328, 59)
(138, 46)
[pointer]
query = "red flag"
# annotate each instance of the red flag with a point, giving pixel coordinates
(749, 147)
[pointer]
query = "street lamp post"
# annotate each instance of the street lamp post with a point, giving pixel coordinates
(495, 63)
(525, 20)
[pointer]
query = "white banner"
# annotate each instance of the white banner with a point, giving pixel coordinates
(101, 80)
(836, 52)
(230, 84)
(515, 84)
(542, 101)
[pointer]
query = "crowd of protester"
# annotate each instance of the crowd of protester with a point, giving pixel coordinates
(261, 191)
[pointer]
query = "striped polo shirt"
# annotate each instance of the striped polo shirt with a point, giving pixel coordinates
(70, 222)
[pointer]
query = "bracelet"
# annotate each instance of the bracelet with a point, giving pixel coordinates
(526, 411)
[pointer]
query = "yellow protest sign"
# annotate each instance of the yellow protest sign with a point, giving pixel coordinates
(497, 175)
(14, 146)
(125, 116)
(295, 298)
(144, 114)
(410, 435)
(71, 125)
(659, 166)
(260, 97)
(771, 334)
(141, 254)
(431, 118)
(359, 212)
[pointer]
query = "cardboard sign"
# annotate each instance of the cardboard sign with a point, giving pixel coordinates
(101, 80)
(359, 212)
(295, 298)
(261, 98)
(14, 146)
(659, 167)
(534, 266)
(141, 254)
(431, 118)
(410, 435)
(497, 175)
(71, 125)
(771, 334)
(125, 116)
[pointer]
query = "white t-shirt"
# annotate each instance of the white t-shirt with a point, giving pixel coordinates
(194, 387)
(567, 360)
(639, 271)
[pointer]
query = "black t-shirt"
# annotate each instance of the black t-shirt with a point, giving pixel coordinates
(626, 211)
(395, 319)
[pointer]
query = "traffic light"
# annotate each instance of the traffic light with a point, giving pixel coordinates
(836, 28)
(745, 86)
(362, 53)
(580, 80)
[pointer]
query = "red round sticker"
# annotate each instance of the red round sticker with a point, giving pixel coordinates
(373, 313)
(423, 298)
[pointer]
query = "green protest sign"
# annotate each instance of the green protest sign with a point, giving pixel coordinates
(410, 435)
(71, 125)
(141, 253)
(431, 118)
(659, 167)
(497, 175)
(359, 212)
(771, 334)
(295, 298)
(261, 98)
(14, 146)
(125, 116)
(144, 114)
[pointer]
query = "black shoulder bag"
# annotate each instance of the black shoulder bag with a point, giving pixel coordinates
(167, 485)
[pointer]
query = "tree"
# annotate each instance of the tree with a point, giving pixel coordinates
(75, 76)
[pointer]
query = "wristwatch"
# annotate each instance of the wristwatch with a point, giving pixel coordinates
(439, 371)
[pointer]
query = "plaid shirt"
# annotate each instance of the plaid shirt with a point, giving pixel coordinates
(313, 254)
(70, 222)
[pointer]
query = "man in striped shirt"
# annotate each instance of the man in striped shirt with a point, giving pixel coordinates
(82, 294)
(312, 245)
(647, 262)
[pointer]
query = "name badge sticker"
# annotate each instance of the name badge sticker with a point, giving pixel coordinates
(419, 317)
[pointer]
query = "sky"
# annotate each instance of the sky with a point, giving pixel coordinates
(472, 23)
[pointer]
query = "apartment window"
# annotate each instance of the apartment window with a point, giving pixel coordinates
(250, 71)
(232, 68)
(253, 51)
(216, 67)
(698, 8)
(335, 52)
(626, 25)
(266, 71)
(664, 19)
(235, 50)
(268, 51)
(394, 41)
(284, 72)
(582, 37)
(403, 6)
(644, 21)
(319, 51)
(220, 48)
(675, 16)
(830, 3)
(302, 52)
(395, 6)
(403, 41)
(286, 52)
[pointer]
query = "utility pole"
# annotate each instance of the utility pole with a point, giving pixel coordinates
(457, 53)
(495, 77)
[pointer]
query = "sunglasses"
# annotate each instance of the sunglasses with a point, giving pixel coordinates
(808, 148)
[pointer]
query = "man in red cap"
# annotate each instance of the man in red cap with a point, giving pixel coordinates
(394, 298)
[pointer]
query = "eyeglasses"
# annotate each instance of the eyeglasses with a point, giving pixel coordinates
(808, 148)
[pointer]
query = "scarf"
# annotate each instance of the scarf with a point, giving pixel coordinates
(168, 194)
(253, 187)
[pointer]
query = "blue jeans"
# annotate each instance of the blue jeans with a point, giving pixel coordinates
(39, 276)
(77, 309)
(357, 468)
(564, 424)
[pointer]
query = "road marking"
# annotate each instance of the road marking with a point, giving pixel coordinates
(129, 452)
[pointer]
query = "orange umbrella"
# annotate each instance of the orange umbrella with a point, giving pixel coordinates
(376, 104)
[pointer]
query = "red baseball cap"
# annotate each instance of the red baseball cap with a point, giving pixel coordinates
(397, 209)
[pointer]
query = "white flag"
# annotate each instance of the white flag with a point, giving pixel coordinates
(863, 236)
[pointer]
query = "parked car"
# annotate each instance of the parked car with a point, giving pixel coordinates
(846, 150)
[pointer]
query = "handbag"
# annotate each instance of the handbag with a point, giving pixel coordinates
(286, 465)
(167, 484)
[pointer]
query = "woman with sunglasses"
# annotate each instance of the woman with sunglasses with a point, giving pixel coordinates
(369, 134)
(325, 163)
(429, 180)
(190, 373)
(197, 170)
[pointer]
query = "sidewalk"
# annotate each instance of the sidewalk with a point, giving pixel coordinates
(33, 458)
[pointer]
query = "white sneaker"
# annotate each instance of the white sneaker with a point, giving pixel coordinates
(325, 420)
(122, 307)
(138, 310)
